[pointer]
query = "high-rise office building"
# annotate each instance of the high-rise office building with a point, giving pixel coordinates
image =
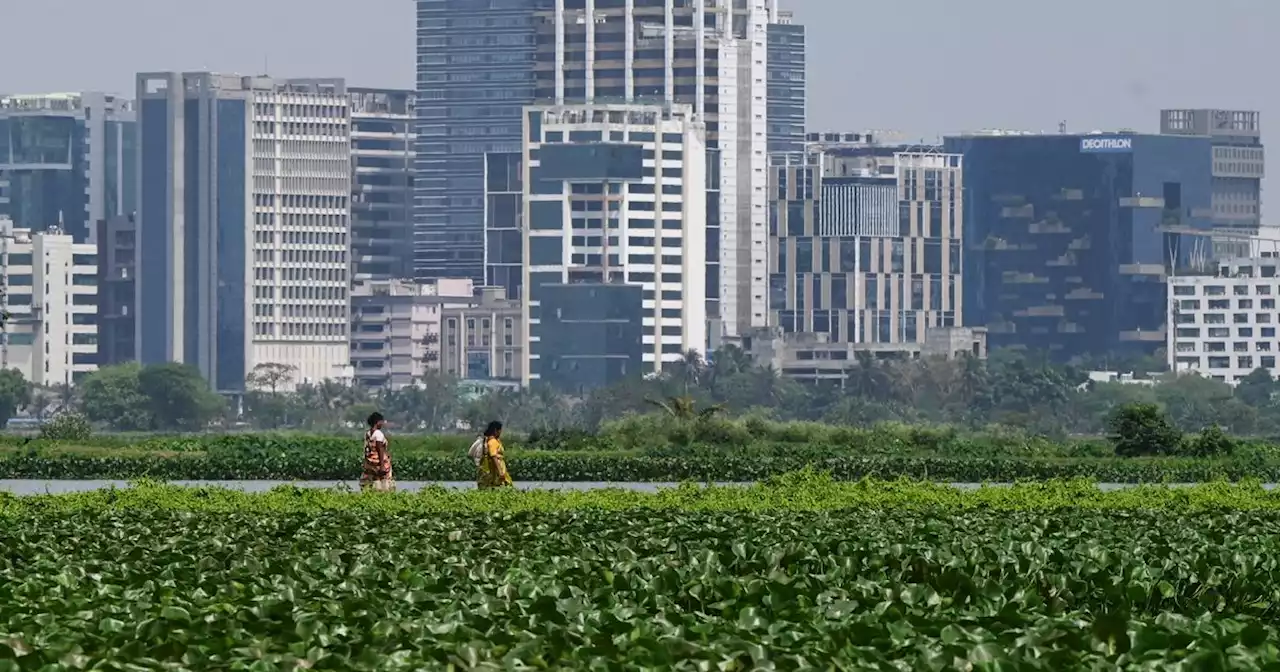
(382, 146)
(1070, 238)
(475, 75)
(786, 97)
(476, 64)
(67, 160)
(867, 243)
(50, 302)
(711, 56)
(614, 196)
(1238, 169)
(243, 224)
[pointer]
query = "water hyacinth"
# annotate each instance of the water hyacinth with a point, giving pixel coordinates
(801, 571)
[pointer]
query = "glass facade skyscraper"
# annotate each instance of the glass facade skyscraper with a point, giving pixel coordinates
(1070, 238)
(382, 132)
(66, 160)
(475, 75)
(786, 88)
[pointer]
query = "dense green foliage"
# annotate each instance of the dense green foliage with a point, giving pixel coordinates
(646, 448)
(785, 576)
(1009, 390)
(14, 393)
(566, 467)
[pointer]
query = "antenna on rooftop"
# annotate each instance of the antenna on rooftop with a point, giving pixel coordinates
(1062, 127)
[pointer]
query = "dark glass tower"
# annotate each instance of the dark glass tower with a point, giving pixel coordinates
(475, 74)
(786, 97)
(1070, 238)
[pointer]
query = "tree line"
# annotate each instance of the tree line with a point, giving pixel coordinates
(1009, 389)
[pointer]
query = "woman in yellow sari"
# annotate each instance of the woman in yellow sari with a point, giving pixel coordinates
(493, 466)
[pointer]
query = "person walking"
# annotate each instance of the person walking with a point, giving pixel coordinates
(493, 465)
(377, 474)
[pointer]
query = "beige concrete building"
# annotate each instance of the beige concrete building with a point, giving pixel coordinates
(483, 339)
(813, 357)
(395, 329)
(402, 329)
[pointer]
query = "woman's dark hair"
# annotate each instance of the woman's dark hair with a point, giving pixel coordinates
(375, 418)
(493, 428)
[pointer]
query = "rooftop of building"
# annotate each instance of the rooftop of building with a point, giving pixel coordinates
(60, 102)
(151, 83)
(1060, 133)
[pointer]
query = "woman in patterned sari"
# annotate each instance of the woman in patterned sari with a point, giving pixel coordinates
(377, 473)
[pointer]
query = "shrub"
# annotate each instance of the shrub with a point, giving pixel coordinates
(1143, 429)
(1211, 442)
(66, 427)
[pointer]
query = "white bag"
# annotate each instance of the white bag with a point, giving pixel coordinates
(477, 450)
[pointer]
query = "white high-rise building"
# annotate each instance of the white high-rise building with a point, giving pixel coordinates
(244, 224)
(642, 169)
(50, 302)
(1224, 326)
(713, 56)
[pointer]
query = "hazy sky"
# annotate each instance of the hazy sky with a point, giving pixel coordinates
(920, 67)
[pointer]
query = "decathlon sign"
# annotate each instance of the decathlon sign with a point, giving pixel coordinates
(1106, 144)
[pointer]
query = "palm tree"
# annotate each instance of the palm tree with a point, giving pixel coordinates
(690, 370)
(684, 408)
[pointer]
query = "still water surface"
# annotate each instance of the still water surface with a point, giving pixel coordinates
(37, 487)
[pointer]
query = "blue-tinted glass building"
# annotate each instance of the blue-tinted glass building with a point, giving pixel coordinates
(592, 335)
(786, 85)
(475, 74)
(243, 227)
(1070, 238)
(66, 160)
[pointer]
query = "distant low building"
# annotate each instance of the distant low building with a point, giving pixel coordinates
(401, 330)
(812, 357)
(483, 339)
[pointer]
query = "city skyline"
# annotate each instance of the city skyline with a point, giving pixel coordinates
(1114, 73)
